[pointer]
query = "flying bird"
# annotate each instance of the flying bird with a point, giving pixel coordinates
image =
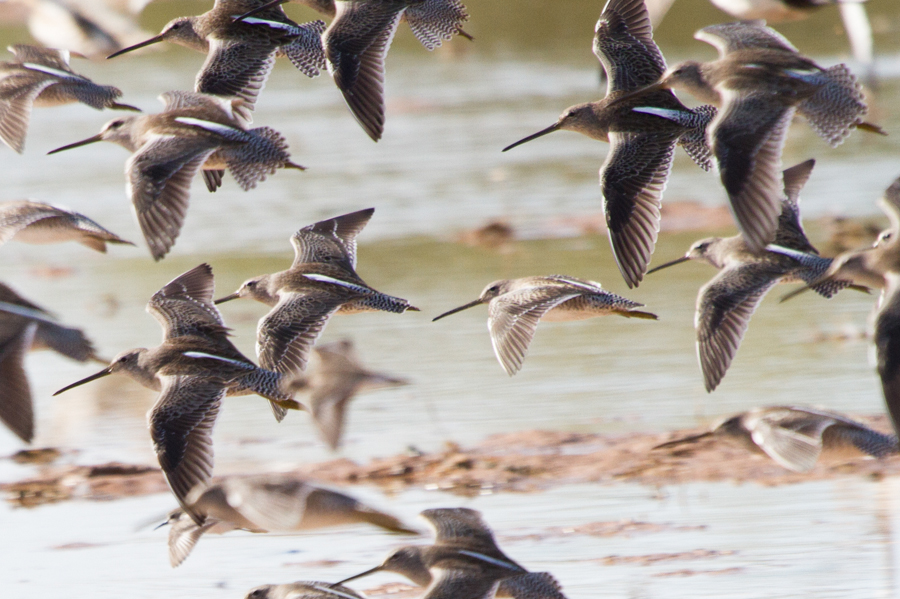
(795, 437)
(334, 377)
(726, 303)
(515, 306)
(759, 81)
(267, 503)
(464, 561)
(642, 126)
(194, 131)
(26, 326)
(42, 77)
(193, 369)
(358, 39)
(240, 54)
(35, 222)
(321, 281)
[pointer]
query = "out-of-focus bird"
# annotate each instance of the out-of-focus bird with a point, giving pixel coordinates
(267, 503)
(26, 326)
(303, 590)
(334, 377)
(43, 77)
(795, 437)
(35, 222)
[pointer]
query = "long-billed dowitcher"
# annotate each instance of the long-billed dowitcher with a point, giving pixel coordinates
(26, 326)
(335, 376)
(241, 54)
(193, 368)
(303, 590)
(726, 303)
(43, 77)
(515, 306)
(464, 561)
(194, 131)
(321, 281)
(267, 503)
(36, 222)
(642, 132)
(357, 42)
(795, 437)
(760, 80)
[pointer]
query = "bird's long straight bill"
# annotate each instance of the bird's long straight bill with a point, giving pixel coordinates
(93, 377)
(259, 9)
(117, 106)
(143, 44)
(227, 298)
(668, 264)
(77, 144)
(541, 133)
(360, 575)
(460, 309)
(792, 294)
(683, 440)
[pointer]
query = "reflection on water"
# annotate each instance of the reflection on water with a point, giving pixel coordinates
(437, 171)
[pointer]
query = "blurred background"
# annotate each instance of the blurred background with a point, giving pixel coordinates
(452, 214)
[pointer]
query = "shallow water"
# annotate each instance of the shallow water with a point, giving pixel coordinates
(438, 171)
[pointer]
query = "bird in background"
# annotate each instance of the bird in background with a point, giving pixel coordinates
(853, 14)
(357, 42)
(192, 369)
(464, 561)
(321, 281)
(38, 223)
(796, 437)
(726, 303)
(42, 77)
(240, 54)
(515, 306)
(92, 28)
(642, 126)
(759, 81)
(25, 326)
(303, 590)
(194, 132)
(267, 503)
(334, 377)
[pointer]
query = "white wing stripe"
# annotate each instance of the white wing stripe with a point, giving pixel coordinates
(51, 71)
(208, 125)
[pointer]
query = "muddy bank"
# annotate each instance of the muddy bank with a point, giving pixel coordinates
(517, 462)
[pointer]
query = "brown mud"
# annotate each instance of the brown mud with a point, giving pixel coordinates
(517, 462)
